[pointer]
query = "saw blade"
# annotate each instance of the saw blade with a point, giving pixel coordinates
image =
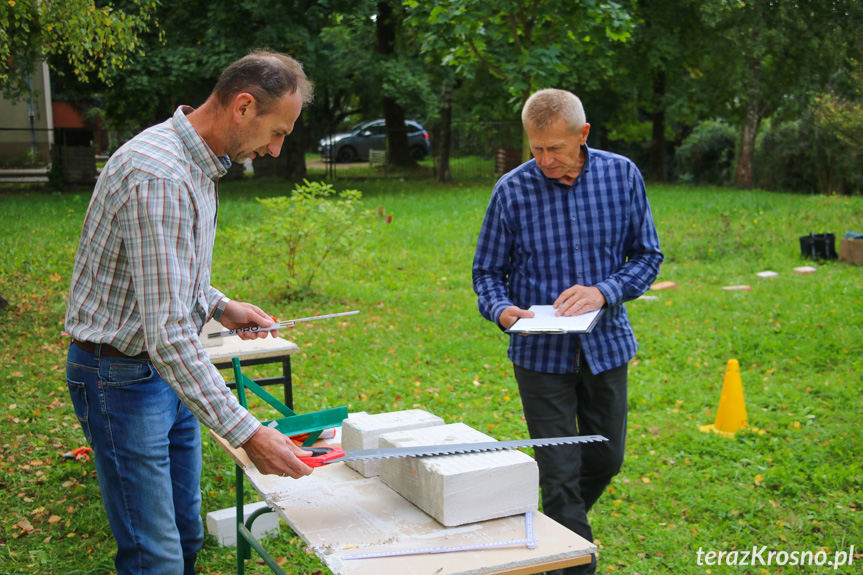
(456, 448)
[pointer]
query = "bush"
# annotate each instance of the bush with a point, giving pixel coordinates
(707, 155)
(302, 235)
(782, 156)
(800, 157)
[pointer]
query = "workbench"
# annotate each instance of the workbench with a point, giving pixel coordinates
(258, 352)
(339, 513)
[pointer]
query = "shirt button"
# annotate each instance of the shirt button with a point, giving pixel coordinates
(576, 247)
(573, 218)
(579, 275)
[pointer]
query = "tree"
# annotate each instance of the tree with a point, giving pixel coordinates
(388, 21)
(528, 44)
(94, 40)
(772, 51)
(655, 78)
(200, 39)
(843, 115)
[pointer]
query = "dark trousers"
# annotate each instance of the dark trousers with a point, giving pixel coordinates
(572, 477)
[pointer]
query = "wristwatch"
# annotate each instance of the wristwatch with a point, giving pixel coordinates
(220, 309)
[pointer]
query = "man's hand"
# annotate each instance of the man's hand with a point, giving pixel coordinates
(274, 453)
(577, 300)
(511, 314)
(241, 314)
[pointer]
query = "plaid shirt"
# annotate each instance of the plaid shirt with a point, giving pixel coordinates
(541, 237)
(141, 279)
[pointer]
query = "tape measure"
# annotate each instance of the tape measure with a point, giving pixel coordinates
(528, 540)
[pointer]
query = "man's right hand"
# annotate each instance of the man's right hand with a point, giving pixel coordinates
(274, 453)
(511, 314)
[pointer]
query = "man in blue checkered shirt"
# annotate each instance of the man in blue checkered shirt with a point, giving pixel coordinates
(571, 228)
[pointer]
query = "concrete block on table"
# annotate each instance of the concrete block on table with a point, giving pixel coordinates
(462, 488)
(364, 431)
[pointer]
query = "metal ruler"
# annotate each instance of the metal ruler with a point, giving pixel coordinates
(529, 540)
(285, 323)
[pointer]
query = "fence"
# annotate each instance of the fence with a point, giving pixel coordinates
(28, 155)
(478, 149)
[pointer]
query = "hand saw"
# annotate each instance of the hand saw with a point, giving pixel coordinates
(326, 455)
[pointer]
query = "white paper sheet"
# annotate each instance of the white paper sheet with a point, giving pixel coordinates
(544, 321)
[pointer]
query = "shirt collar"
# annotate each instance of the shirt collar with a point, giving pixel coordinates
(214, 167)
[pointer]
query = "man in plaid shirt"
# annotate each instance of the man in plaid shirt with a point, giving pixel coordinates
(139, 378)
(571, 228)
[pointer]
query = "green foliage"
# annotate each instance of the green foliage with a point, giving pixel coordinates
(799, 156)
(707, 155)
(528, 45)
(92, 39)
(299, 236)
(843, 115)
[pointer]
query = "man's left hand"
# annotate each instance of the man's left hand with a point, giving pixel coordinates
(241, 314)
(577, 300)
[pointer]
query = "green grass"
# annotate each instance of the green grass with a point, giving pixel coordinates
(792, 482)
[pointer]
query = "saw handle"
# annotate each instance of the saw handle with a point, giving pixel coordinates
(322, 456)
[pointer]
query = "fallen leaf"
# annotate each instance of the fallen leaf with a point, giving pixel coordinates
(25, 525)
(54, 519)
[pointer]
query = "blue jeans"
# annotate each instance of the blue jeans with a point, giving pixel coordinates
(147, 447)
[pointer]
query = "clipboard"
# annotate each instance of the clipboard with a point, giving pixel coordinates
(545, 322)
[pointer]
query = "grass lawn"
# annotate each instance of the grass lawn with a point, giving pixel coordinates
(792, 482)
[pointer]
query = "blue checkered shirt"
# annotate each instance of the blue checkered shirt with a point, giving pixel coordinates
(540, 237)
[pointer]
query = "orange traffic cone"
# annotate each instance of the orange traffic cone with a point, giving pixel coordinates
(731, 414)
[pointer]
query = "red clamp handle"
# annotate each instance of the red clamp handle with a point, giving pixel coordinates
(322, 456)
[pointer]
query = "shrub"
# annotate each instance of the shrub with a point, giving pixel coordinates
(799, 156)
(707, 155)
(302, 235)
(782, 156)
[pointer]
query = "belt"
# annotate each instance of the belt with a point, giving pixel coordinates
(108, 350)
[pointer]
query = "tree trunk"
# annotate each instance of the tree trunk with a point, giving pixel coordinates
(294, 152)
(746, 156)
(444, 142)
(398, 152)
(657, 150)
(751, 121)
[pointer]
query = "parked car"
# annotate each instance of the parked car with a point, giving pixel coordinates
(356, 143)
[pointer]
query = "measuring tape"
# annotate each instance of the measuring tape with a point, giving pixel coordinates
(528, 540)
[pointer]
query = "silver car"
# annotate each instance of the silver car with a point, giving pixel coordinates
(356, 143)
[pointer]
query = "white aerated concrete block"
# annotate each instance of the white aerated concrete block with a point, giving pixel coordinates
(222, 524)
(363, 432)
(463, 488)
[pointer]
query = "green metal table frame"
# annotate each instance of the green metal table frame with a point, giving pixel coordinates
(291, 424)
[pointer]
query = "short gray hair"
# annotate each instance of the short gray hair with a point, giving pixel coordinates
(546, 106)
(267, 76)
